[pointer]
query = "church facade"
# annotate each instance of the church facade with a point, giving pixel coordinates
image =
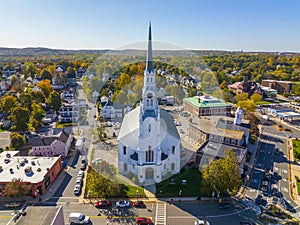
(149, 144)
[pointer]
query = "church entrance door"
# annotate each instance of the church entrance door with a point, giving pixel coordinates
(149, 173)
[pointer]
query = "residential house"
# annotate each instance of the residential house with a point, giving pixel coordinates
(53, 145)
(68, 113)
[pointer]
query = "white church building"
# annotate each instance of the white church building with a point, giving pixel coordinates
(149, 144)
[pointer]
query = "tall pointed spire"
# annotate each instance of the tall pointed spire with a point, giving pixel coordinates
(149, 66)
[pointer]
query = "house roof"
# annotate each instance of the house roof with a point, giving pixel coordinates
(208, 126)
(48, 140)
(206, 104)
(213, 150)
(229, 125)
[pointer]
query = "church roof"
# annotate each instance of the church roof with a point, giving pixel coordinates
(129, 131)
(149, 65)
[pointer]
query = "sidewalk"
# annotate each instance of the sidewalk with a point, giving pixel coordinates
(294, 170)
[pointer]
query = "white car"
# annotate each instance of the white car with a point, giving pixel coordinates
(77, 189)
(80, 174)
(201, 222)
(97, 160)
(122, 204)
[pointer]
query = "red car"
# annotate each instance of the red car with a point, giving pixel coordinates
(102, 204)
(143, 220)
(139, 204)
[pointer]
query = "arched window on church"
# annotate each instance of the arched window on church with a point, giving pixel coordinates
(149, 127)
(149, 154)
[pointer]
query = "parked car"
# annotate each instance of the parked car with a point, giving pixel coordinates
(96, 160)
(274, 200)
(77, 189)
(83, 166)
(79, 181)
(276, 176)
(201, 222)
(123, 204)
(143, 220)
(246, 223)
(139, 204)
(80, 174)
(102, 204)
(224, 206)
(274, 192)
(258, 199)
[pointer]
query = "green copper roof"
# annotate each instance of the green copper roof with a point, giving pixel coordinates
(204, 104)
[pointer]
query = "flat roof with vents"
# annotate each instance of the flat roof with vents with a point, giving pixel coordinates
(28, 168)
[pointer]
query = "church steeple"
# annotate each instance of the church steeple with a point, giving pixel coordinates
(149, 66)
(149, 102)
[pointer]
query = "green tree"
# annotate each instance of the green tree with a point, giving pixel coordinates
(122, 81)
(7, 103)
(30, 70)
(133, 70)
(13, 80)
(17, 188)
(222, 175)
(25, 99)
(241, 97)
(16, 140)
(54, 101)
(218, 94)
(36, 117)
(248, 106)
(70, 70)
(20, 118)
(45, 74)
(46, 87)
(256, 98)
(38, 97)
(175, 91)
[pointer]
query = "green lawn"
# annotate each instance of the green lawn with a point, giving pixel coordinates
(263, 103)
(130, 191)
(298, 184)
(62, 125)
(190, 189)
(296, 149)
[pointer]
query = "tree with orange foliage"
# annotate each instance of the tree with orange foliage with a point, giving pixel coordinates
(46, 87)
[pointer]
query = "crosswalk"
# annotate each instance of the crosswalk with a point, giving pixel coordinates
(161, 213)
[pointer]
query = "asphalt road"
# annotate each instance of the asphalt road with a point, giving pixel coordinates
(268, 158)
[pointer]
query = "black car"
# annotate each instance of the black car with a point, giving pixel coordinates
(276, 176)
(246, 223)
(258, 199)
(289, 208)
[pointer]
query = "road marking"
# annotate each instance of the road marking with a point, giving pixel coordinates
(284, 189)
(5, 217)
(161, 212)
(275, 168)
(283, 179)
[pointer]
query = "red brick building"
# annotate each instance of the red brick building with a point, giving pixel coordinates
(36, 171)
(280, 86)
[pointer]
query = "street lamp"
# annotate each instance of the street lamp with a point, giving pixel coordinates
(137, 194)
(180, 193)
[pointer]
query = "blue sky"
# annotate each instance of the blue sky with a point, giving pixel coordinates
(264, 25)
